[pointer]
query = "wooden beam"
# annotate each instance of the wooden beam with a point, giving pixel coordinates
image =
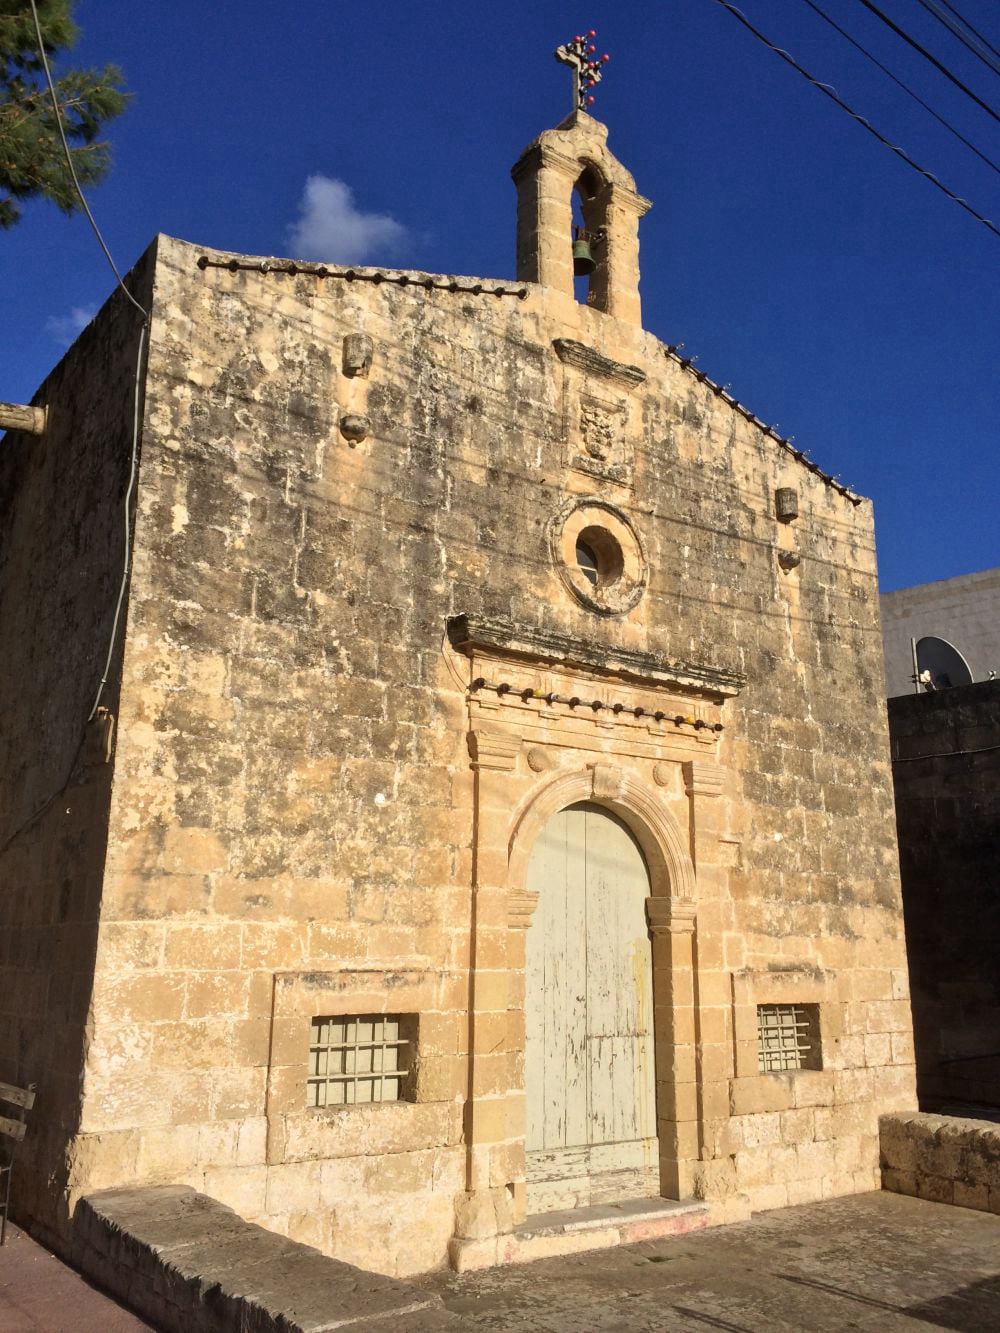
(29, 419)
(18, 1096)
(12, 1129)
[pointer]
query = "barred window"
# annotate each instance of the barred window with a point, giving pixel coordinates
(788, 1037)
(360, 1058)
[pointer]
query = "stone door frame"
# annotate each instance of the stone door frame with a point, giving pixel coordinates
(554, 721)
(671, 912)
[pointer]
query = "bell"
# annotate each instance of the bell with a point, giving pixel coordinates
(583, 260)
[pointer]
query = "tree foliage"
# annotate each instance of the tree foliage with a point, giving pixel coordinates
(32, 162)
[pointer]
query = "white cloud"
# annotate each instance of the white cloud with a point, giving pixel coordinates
(332, 229)
(66, 328)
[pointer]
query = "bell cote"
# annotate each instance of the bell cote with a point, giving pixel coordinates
(574, 159)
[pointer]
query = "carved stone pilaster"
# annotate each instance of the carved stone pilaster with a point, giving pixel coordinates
(494, 750)
(521, 904)
(702, 778)
(673, 915)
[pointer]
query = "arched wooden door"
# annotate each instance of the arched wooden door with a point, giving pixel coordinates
(589, 1067)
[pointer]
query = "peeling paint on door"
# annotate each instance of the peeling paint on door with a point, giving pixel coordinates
(589, 1062)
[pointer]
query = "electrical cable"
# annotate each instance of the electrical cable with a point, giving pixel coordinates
(905, 87)
(72, 168)
(971, 45)
(862, 121)
(900, 32)
(945, 754)
(133, 472)
(975, 32)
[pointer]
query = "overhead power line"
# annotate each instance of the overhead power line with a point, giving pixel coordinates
(975, 32)
(72, 168)
(955, 29)
(834, 96)
(910, 41)
(905, 87)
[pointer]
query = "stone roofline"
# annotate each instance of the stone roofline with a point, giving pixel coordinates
(471, 286)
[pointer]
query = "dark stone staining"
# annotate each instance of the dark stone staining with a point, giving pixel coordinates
(947, 786)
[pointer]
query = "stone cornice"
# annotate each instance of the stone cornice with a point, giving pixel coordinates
(595, 363)
(503, 637)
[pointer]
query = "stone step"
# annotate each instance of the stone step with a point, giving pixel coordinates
(571, 1231)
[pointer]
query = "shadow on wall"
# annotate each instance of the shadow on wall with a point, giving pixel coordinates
(61, 567)
(946, 775)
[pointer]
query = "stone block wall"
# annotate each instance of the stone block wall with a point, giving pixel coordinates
(946, 773)
(946, 1159)
(62, 553)
(296, 821)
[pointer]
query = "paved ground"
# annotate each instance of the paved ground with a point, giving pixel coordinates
(881, 1263)
(39, 1294)
(873, 1262)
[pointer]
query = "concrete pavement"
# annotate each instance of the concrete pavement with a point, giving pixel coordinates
(40, 1294)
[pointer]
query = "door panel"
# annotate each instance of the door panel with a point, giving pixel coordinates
(589, 1071)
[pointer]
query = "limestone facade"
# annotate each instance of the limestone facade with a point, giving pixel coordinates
(362, 667)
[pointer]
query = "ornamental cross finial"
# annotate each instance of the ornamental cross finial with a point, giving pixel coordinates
(586, 67)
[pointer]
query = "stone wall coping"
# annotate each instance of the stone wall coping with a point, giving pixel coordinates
(446, 282)
(503, 636)
(945, 1158)
(189, 1263)
(800, 455)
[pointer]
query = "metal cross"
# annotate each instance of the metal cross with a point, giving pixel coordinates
(587, 72)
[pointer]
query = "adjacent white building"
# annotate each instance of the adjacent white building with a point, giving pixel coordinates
(941, 626)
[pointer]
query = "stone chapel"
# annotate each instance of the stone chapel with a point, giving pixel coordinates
(489, 812)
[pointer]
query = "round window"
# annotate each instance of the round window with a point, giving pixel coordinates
(586, 558)
(599, 555)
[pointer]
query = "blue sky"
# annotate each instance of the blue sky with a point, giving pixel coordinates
(833, 289)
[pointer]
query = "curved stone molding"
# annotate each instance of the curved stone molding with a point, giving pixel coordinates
(590, 513)
(671, 871)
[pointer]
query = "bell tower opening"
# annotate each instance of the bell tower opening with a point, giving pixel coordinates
(590, 238)
(567, 179)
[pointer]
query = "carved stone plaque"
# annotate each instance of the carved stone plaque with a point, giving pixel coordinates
(597, 437)
(598, 413)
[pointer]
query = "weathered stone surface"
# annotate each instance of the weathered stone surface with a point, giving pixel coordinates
(948, 1159)
(189, 1263)
(874, 1262)
(313, 813)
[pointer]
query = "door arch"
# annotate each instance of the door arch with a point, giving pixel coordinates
(590, 1079)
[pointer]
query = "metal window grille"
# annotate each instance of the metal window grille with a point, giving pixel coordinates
(357, 1058)
(787, 1037)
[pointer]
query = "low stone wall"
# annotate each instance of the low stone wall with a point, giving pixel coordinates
(189, 1264)
(942, 1158)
